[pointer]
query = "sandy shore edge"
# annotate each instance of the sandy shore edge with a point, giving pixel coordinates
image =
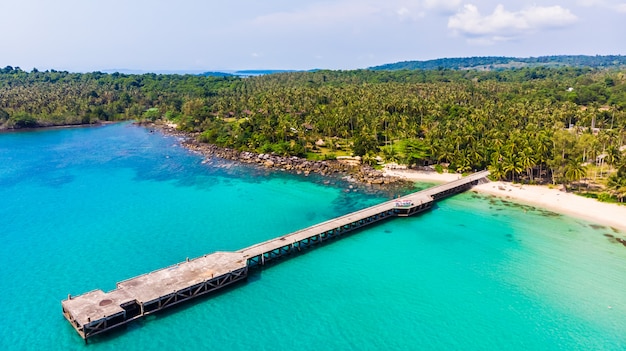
(536, 195)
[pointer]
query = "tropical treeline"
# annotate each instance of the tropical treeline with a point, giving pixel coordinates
(533, 124)
(35, 99)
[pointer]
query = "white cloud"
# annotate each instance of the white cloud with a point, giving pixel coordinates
(503, 25)
(442, 5)
(405, 14)
(621, 8)
(548, 17)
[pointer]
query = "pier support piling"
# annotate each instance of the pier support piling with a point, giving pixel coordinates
(96, 312)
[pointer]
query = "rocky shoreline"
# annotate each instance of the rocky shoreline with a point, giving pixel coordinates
(363, 174)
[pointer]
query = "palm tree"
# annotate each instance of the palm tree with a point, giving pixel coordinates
(574, 170)
(369, 158)
(496, 169)
(527, 162)
(415, 151)
(463, 164)
(543, 149)
(617, 187)
(390, 154)
(613, 155)
(511, 164)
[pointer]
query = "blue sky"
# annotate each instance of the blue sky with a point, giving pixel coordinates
(156, 35)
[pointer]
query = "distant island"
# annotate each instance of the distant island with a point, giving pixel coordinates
(217, 74)
(503, 63)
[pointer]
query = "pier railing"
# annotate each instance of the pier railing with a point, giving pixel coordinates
(96, 312)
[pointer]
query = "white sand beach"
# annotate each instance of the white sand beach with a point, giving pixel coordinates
(537, 195)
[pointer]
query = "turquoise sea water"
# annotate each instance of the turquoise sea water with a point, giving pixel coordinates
(85, 208)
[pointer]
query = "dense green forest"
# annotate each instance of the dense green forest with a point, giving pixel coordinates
(554, 125)
(501, 62)
(60, 98)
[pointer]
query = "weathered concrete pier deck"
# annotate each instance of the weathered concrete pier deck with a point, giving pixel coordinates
(96, 311)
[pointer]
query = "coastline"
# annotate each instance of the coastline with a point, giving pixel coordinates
(362, 174)
(591, 210)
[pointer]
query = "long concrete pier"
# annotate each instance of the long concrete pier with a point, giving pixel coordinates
(96, 312)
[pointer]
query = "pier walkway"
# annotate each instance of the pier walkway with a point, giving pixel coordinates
(96, 311)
